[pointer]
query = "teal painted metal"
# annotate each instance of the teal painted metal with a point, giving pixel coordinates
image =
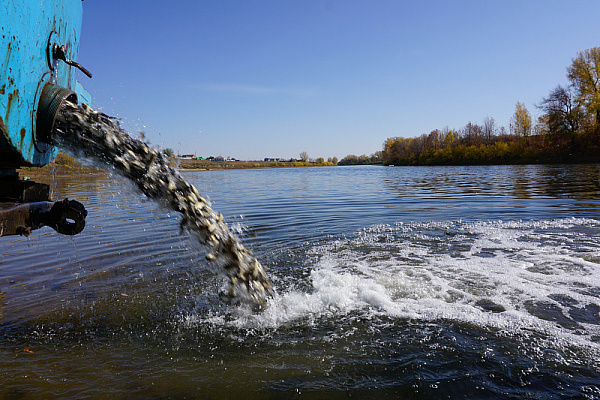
(29, 31)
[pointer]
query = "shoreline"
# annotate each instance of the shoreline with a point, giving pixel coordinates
(207, 165)
(73, 166)
(60, 168)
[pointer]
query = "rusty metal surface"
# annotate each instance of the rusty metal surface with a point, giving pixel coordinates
(66, 217)
(25, 206)
(18, 219)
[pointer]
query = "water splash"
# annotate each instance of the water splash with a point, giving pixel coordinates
(92, 134)
(527, 279)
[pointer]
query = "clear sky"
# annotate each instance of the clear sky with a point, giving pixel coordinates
(273, 78)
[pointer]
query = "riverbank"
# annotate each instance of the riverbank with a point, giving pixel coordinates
(208, 165)
(62, 165)
(505, 150)
(65, 165)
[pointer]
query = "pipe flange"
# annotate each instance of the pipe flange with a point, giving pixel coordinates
(51, 99)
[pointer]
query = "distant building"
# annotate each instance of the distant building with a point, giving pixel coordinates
(187, 156)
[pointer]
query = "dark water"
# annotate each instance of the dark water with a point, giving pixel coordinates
(409, 283)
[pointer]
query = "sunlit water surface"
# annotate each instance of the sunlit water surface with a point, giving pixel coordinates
(403, 282)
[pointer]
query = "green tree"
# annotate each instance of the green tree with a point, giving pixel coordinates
(350, 159)
(520, 123)
(584, 74)
(376, 158)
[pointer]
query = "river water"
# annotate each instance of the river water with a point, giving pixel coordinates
(392, 282)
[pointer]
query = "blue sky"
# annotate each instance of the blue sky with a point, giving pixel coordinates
(273, 78)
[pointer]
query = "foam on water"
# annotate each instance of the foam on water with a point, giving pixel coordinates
(514, 278)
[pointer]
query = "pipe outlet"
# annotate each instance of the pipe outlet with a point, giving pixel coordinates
(49, 105)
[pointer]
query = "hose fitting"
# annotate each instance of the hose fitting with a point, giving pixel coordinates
(51, 99)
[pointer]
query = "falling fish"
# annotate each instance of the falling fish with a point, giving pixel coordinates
(92, 134)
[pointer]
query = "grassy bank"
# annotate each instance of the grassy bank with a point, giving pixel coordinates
(208, 165)
(65, 164)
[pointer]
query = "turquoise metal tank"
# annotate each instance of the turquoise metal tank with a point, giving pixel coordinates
(39, 44)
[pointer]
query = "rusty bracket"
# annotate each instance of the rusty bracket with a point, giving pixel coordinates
(66, 217)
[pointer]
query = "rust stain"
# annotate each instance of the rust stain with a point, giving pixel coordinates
(2, 128)
(2, 88)
(11, 96)
(23, 132)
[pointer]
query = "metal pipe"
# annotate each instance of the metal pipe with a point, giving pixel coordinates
(66, 217)
(51, 99)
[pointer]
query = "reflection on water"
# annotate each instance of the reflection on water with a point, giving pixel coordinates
(516, 191)
(519, 181)
(409, 282)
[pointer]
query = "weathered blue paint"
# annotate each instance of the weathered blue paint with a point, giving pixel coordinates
(29, 30)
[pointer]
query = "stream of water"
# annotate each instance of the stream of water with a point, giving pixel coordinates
(94, 135)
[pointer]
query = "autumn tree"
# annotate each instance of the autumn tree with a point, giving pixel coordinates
(433, 140)
(304, 156)
(563, 112)
(472, 134)
(350, 159)
(449, 139)
(488, 129)
(584, 74)
(520, 123)
(376, 158)
(541, 127)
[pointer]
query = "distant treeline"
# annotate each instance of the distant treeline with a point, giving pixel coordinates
(375, 158)
(567, 131)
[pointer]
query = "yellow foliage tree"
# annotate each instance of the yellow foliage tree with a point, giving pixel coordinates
(584, 74)
(520, 123)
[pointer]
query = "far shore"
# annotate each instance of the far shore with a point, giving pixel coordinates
(209, 165)
(67, 165)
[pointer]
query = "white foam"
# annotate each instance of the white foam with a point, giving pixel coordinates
(440, 271)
